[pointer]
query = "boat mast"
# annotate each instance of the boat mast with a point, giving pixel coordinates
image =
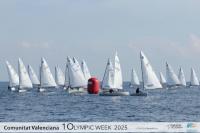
(40, 71)
(104, 75)
(67, 72)
(141, 57)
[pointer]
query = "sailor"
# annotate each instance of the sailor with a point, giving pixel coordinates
(111, 91)
(137, 90)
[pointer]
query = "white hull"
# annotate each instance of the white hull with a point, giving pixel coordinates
(76, 90)
(196, 86)
(41, 90)
(114, 93)
(13, 89)
(64, 88)
(21, 91)
(173, 86)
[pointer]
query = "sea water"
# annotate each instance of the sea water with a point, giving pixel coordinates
(173, 105)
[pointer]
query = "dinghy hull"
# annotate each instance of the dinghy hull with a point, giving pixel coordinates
(13, 89)
(118, 93)
(21, 91)
(41, 90)
(76, 91)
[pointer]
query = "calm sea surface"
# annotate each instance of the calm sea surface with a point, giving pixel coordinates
(181, 104)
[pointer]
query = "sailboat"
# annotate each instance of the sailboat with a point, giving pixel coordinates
(162, 79)
(149, 78)
(108, 79)
(172, 79)
(66, 83)
(85, 70)
(118, 81)
(134, 79)
(59, 77)
(24, 80)
(34, 79)
(112, 84)
(46, 77)
(193, 78)
(75, 80)
(181, 77)
(13, 77)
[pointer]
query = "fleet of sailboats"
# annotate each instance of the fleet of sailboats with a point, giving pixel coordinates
(76, 76)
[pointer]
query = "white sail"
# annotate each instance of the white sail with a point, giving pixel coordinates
(134, 78)
(59, 76)
(33, 76)
(76, 77)
(46, 77)
(67, 74)
(162, 79)
(118, 81)
(172, 79)
(108, 79)
(13, 76)
(85, 70)
(150, 80)
(181, 77)
(193, 78)
(24, 80)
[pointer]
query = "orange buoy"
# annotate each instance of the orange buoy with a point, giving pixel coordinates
(93, 86)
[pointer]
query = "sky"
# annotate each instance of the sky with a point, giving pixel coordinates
(94, 29)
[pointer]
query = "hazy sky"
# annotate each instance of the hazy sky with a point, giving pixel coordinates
(94, 29)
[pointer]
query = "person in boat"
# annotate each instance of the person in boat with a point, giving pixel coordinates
(111, 90)
(138, 90)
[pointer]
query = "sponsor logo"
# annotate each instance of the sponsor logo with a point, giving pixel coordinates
(175, 126)
(192, 127)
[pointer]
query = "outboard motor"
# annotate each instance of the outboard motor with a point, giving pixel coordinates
(93, 86)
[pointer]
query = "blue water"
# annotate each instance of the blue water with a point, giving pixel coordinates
(160, 105)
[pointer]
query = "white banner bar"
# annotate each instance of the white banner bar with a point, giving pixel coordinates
(65, 127)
